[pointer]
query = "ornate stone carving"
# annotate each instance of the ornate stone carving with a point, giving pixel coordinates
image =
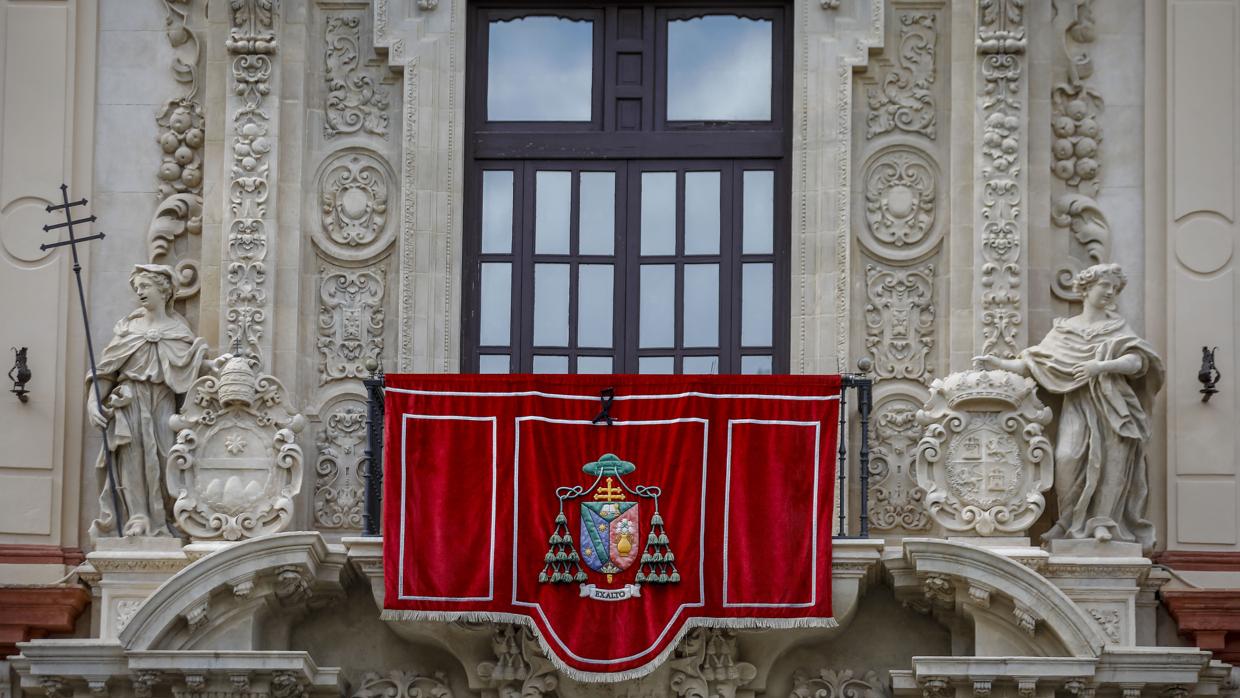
(235, 468)
(251, 41)
(896, 501)
(836, 684)
(403, 684)
(904, 99)
(350, 321)
(353, 189)
(289, 684)
(901, 195)
(1109, 620)
(340, 469)
(899, 321)
(152, 358)
(1076, 132)
(983, 461)
(707, 663)
(354, 101)
(1096, 362)
(829, 4)
(1001, 45)
(125, 611)
(520, 669)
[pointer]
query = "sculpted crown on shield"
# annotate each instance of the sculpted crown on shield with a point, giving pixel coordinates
(983, 461)
(235, 469)
(609, 535)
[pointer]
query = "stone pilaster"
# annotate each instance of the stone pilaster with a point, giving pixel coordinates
(1000, 158)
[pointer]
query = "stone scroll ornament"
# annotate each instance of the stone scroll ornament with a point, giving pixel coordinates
(235, 469)
(983, 460)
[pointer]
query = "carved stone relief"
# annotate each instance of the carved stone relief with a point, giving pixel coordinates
(235, 469)
(182, 132)
(251, 42)
(355, 102)
(1001, 45)
(827, 683)
(707, 663)
(340, 485)
(901, 190)
(896, 500)
(520, 669)
(899, 319)
(1109, 620)
(403, 684)
(1076, 137)
(350, 321)
(904, 98)
(983, 461)
(353, 191)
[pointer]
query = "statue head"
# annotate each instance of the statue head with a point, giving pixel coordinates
(154, 284)
(1099, 284)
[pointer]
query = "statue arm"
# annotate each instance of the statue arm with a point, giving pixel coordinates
(989, 362)
(1130, 364)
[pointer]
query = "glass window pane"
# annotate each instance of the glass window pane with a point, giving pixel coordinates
(658, 213)
(701, 213)
(719, 69)
(496, 312)
(756, 308)
(493, 363)
(700, 364)
(597, 218)
(657, 323)
(756, 365)
(551, 305)
(594, 304)
(759, 217)
(550, 364)
(593, 364)
(552, 206)
(656, 364)
(701, 327)
(497, 211)
(540, 69)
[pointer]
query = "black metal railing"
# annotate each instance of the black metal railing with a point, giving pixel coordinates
(859, 384)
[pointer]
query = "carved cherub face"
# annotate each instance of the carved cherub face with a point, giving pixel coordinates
(152, 290)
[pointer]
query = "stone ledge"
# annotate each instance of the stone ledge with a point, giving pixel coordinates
(30, 612)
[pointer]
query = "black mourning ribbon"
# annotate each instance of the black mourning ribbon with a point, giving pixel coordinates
(605, 399)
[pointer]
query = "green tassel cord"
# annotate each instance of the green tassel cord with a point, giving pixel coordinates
(563, 564)
(658, 563)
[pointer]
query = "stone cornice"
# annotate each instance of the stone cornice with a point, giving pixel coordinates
(1210, 617)
(1200, 560)
(29, 612)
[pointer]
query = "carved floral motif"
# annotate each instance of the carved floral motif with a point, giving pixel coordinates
(354, 102)
(836, 684)
(403, 684)
(900, 200)
(350, 321)
(520, 669)
(896, 500)
(899, 319)
(1001, 44)
(904, 99)
(1109, 620)
(340, 468)
(707, 664)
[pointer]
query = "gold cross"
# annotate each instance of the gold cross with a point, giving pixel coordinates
(609, 493)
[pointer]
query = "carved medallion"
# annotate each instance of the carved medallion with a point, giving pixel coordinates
(353, 191)
(899, 319)
(350, 321)
(983, 461)
(900, 201)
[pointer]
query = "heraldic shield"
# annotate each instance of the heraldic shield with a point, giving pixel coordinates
(610, 535)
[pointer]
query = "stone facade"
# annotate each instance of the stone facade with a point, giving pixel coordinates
(297, 167)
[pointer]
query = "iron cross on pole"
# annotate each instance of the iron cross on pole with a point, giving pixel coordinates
(72, 243)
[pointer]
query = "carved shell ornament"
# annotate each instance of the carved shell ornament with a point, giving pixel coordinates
(901, 189)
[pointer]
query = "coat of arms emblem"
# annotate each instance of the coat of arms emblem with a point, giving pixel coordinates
(609, 535)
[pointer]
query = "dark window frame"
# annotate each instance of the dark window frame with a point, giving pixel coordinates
(729, 147)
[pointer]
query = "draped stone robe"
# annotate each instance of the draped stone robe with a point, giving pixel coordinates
(148, 369)
(1104, 425)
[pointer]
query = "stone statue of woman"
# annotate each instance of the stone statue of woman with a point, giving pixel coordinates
(152, 358)
(1108, 377)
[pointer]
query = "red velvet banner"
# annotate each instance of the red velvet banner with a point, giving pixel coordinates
(706, 501)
